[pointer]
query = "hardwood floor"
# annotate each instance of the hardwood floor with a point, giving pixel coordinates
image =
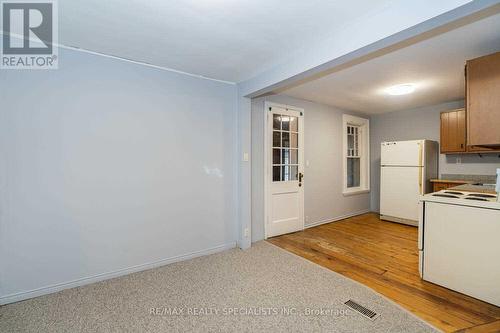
(384, 256)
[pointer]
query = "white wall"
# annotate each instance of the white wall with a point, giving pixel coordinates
(244, 167)
(422, 123)
(322, 179)
(107, 165)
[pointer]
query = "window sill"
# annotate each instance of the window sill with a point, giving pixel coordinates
(347, 193)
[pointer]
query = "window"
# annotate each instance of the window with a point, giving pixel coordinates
(285, 148)
(356, 155)
(353, 156)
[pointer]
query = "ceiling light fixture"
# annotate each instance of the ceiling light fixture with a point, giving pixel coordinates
(401, 89)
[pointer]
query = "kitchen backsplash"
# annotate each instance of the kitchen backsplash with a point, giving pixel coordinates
(484, 179)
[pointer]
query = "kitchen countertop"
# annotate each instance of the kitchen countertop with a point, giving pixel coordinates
(452, 181)
(465, 179)
(489, 189)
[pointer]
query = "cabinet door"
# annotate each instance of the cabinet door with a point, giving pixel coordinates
(483, 100)
(453, 131)
(445, 143)
(461, 132)
(438, 187)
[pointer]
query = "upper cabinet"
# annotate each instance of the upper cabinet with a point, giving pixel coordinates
(453, 131)
(453, 135)
(483, 102)
(475, 129)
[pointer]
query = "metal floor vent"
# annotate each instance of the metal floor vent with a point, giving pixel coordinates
(362, 310)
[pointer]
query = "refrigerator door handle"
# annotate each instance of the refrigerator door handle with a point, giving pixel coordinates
(420, 187)
(420, 154)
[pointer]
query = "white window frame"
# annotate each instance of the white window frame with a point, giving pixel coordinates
(364, 152)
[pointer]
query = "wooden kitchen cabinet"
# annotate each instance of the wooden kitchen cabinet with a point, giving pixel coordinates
(483, 101)
(454, 138)
(453, 134)
(439, 185)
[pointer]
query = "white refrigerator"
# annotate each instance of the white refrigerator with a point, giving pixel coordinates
(406, 168)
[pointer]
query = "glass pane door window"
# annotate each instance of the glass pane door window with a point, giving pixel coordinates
(285, 148)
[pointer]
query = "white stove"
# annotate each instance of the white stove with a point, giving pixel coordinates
(458, 241)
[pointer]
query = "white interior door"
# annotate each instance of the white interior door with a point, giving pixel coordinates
(400, 190)
(285, 167)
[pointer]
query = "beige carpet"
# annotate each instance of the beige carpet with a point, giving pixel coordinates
(264, 289)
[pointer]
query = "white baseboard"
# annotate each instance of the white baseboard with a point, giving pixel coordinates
(16, 297)
(338, 218)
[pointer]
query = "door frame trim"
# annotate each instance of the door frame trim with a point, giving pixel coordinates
(267, 169)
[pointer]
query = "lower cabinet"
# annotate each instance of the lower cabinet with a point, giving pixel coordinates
(439, 186)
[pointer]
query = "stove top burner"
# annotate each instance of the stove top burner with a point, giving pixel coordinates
(445, 195)
(477, 199)
(480, 195)
(454, 192)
